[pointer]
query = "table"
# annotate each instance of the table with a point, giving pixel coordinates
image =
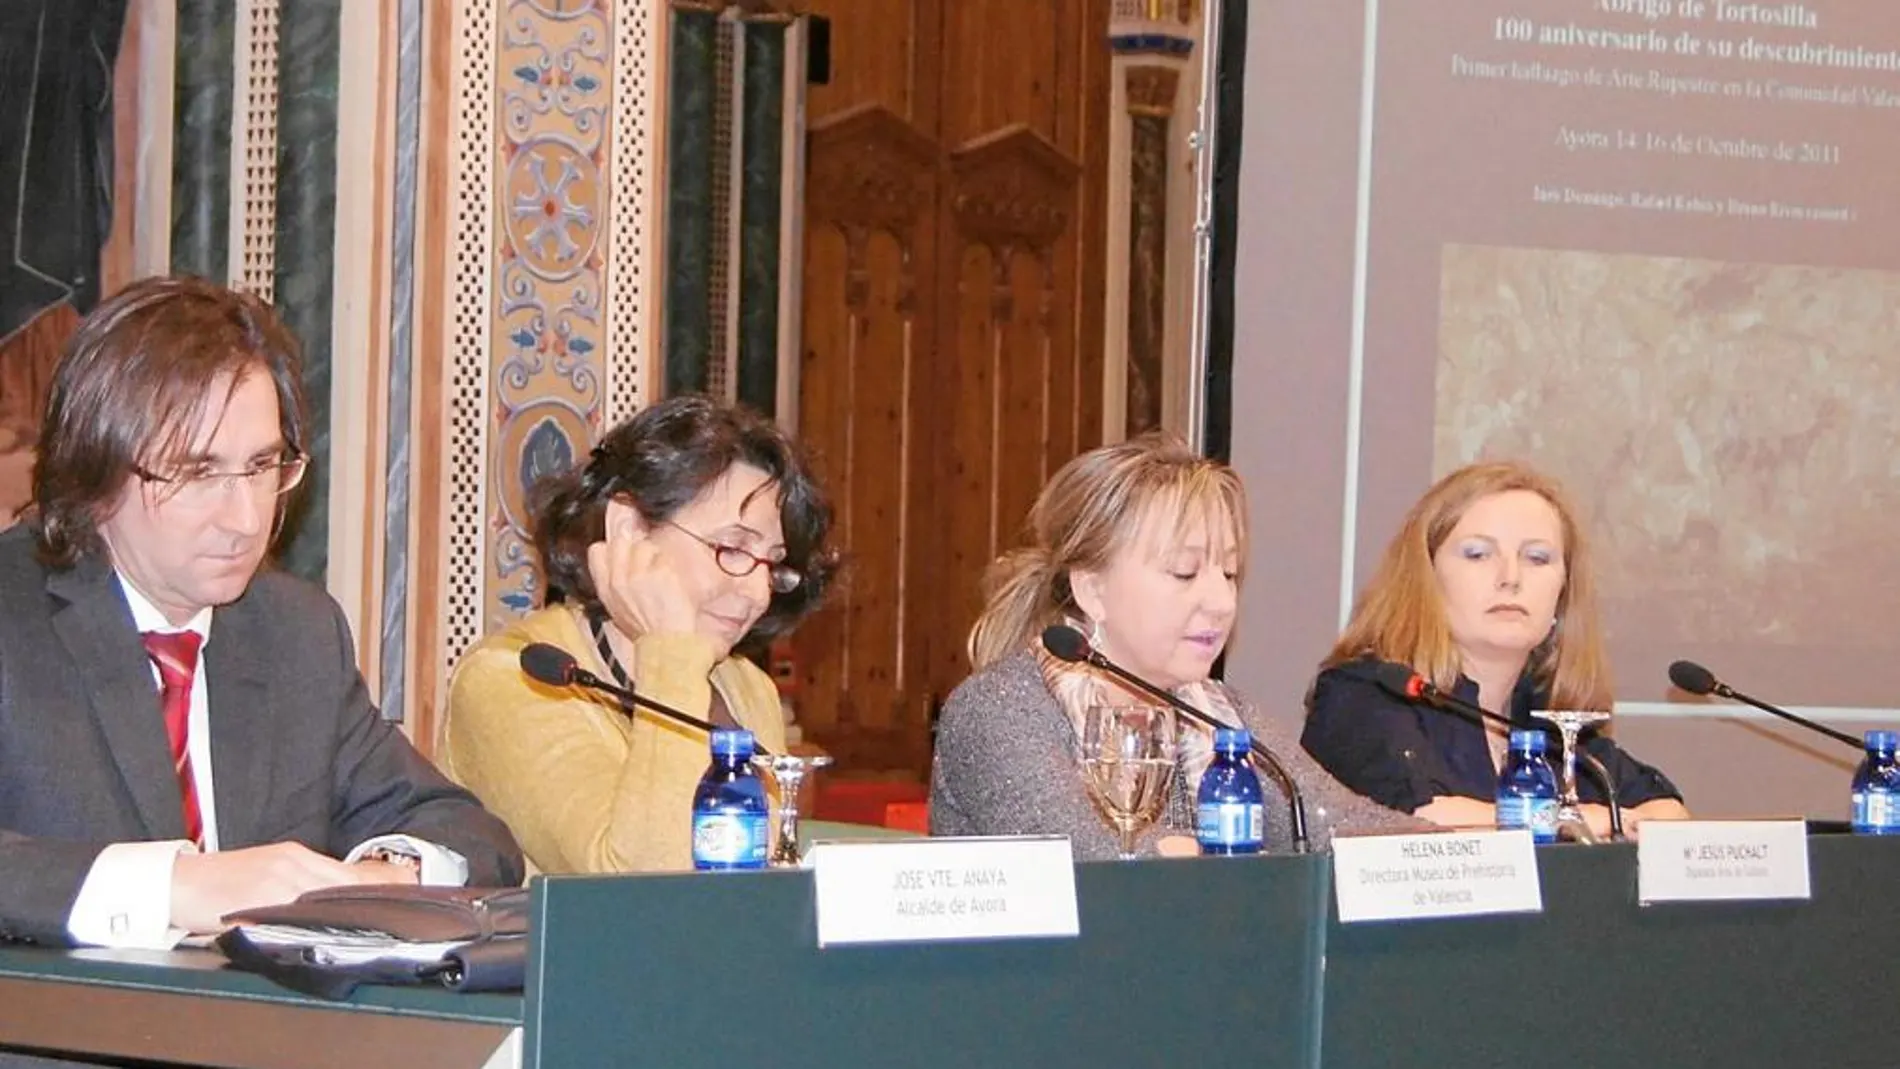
(1177, 962)
(186, 1006)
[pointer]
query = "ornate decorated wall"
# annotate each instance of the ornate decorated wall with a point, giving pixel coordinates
(465, 210)
(537, 312)
(455, 205)
(459, 208)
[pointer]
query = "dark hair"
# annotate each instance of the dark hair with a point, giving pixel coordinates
(132, 386)
(662, 459)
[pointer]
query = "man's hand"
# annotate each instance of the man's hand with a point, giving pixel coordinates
(205, 887)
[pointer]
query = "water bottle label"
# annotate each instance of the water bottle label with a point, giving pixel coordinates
(1230, 824)
(729, 840)
(1537, 814)
(1876, 811)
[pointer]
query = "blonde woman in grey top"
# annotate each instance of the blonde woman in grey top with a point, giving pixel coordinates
(1141, 545)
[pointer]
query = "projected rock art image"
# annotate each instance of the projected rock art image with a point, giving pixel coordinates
(1732, 431)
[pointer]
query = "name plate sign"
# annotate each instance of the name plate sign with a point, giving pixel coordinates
(1722, 861)
(1452, 874)
(944, 890)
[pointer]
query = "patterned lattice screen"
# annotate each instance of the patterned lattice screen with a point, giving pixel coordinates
(472, 210)
(725, 161)
(631, 183)
(254, 150)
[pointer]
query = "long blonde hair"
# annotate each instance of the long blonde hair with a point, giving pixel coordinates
(1400, 616)
(1090, 511)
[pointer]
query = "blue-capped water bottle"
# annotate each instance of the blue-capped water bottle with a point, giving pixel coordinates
(1877, 787)
(730, 814)
(1527, 788)
(1227, 809)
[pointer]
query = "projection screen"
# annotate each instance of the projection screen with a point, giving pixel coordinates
(1650, 246)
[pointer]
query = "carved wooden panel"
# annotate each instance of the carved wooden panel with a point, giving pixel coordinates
(1014, 189)
(868, 167)
(871, 177)
(952, 341)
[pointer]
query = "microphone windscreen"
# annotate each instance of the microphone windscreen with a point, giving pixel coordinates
(548, 664)
(1692, 677)
(1397, 679)
(1065, 643)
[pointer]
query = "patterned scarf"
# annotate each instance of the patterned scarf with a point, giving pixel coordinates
(1078, 686)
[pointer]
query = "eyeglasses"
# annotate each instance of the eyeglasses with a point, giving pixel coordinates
(206, 488)
(740, 563)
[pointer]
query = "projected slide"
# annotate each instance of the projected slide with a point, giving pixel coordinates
(1731, 428)
(1653, 246)
(1650, 245)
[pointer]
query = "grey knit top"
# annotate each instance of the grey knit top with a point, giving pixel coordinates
(1006, 764)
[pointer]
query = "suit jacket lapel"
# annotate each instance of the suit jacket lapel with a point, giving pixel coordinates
(115, 673)
(242, 751)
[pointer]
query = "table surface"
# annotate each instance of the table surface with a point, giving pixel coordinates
(679, 969)
(205, 973)
(190, 1007)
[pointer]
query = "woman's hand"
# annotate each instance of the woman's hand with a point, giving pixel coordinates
(1454, 811)
(1178, 846)
(640, 588)
(1635, 816)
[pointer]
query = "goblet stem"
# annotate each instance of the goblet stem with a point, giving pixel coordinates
(1570, 725)
(785, 852)
(788, 773)
(1569, 733)
(1126, 828)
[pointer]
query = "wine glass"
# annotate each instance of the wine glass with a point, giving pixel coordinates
(1127, 762)
(1570, 724)
(788, 772)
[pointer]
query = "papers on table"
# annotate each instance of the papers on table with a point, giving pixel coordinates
(337, 946)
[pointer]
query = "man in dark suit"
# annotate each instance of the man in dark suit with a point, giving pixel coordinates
(182, 736)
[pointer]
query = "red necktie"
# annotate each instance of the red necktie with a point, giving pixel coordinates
(176, 655)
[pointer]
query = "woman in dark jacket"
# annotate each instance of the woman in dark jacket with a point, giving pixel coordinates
(1486, 592)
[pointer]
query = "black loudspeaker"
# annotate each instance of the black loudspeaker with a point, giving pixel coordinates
(817, 50)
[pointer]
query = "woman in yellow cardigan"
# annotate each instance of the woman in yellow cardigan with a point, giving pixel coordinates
(694, 527)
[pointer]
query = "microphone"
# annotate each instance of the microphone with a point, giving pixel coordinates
(1065, 643)
(554, 666)
(1400, 681)
(1698, 680)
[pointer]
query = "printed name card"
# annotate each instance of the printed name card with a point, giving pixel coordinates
(1721, 860)
(1453, 874)
(943, 890)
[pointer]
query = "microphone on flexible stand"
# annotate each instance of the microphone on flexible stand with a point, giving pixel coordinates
(1401, 681)
(1698, 680)
(1067, 644)
(554, 666)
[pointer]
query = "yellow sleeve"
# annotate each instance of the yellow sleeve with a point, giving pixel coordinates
(754, 701)
(678, 670)
(675, 670)
(582, 787)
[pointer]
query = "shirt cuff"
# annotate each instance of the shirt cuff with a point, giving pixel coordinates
(439, 866)
(126, 901)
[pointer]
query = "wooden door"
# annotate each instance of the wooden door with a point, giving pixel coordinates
(952, 318)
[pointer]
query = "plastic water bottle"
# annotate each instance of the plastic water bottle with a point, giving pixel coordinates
(1227, 810)
(1877, 787)
(730, 814)
(1527, 788)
